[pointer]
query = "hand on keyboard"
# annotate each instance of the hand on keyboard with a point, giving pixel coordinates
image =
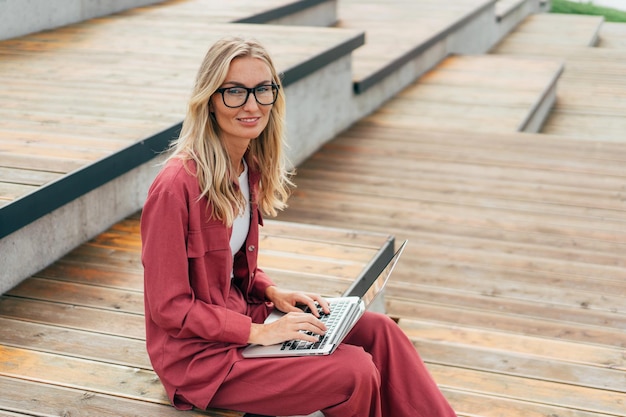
(301, 326)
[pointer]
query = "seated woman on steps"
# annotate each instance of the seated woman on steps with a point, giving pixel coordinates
(205, 297)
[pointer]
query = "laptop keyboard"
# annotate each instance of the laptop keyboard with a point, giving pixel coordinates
(330, 320)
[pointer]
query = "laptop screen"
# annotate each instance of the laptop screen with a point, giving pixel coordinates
(379, 283)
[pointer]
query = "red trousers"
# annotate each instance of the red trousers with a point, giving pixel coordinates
(375, 372)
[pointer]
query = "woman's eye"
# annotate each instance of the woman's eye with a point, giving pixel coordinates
(263, 89)
(236, 91)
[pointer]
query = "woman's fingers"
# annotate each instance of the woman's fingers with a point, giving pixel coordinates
(322, 303)
(300, 323)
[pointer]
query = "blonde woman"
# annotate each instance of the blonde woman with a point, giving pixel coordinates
(205, 297)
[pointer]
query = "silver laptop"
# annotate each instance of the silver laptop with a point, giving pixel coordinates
(345, 312)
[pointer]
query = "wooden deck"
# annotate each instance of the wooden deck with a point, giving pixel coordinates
(514, 282)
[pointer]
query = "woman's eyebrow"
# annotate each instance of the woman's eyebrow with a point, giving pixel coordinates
(240, 84)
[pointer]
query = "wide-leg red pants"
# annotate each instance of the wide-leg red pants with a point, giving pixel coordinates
(375, 372)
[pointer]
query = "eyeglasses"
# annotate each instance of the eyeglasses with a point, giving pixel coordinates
(234, 97)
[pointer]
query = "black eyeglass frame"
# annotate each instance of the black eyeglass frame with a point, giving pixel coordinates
(275, 87)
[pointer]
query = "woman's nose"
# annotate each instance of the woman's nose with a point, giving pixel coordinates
(251, 103)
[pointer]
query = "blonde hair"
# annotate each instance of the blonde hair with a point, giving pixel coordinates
(199, 139)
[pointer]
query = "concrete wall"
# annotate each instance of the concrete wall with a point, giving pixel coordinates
(320, 107)
(21, 17)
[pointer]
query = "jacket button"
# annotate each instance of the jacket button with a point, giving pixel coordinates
(251, 248)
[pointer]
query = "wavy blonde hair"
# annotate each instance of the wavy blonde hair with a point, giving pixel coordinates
(199, 139)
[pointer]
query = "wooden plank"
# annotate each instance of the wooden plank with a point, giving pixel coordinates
(95, 273)
(598, 357)
(530, 390)
(475, 404)
(77, 343)
(521, 366)
(26, 177)
(470, 236)
(79, 295)
(122, 381)
(511, 297)
(74, 317)
(357, 238)
(529, 326)
(52, 400)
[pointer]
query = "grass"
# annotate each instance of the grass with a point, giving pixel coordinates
(571, 7)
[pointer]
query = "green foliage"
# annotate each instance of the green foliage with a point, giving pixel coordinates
(571, 7)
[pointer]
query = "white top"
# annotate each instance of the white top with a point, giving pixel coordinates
(241, 225)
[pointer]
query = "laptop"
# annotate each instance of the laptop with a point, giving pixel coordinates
(345, 312)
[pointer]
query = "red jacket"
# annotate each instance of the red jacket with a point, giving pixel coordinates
(191, 337)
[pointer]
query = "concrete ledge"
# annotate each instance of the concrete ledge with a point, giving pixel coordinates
(48, 238)
(301, 13)
(368, 100)
(21, 17)
(307, 127)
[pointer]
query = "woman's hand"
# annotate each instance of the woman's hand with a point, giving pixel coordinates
(287, 301)
(295, 323)
(290, 326)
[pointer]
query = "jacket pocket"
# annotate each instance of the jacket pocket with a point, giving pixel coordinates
(208, 239)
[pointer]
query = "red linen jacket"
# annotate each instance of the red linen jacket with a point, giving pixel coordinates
(191, 337)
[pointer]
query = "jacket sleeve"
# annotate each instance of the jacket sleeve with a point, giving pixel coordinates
(172, 302)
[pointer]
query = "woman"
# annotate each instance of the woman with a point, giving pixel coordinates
(205, 298)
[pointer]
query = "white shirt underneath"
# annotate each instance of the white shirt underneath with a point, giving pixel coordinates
(241, 225)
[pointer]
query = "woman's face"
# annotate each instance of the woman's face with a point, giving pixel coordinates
(239, 125)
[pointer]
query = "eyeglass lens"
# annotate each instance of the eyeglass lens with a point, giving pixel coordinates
(237, 96)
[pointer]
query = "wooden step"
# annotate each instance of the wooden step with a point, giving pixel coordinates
(486, 93)
(592, 86)
(546, 30)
